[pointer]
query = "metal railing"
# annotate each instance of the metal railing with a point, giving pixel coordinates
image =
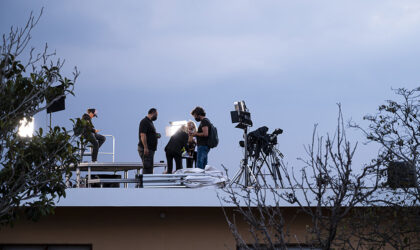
(89, 152)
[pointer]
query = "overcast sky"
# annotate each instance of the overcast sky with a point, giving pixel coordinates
(291, 61)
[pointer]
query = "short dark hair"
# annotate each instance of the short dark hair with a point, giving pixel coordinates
(152, 111)
(198, 111)
(91, 111)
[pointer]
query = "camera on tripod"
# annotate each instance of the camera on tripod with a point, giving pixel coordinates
(260, 151)
(259, 140)
(241, 115)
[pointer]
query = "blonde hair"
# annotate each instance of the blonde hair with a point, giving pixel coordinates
(184, 128)
(191, 122)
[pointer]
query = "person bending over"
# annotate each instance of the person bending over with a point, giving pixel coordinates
(173, 149)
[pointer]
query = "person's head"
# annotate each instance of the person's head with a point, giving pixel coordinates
(198, 113)
(191, 126)
(152, 114)
(184, 128)
(92, 113)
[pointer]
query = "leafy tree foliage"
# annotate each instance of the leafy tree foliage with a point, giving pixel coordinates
(31, 169)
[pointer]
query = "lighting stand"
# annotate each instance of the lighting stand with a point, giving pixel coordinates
(245, 170)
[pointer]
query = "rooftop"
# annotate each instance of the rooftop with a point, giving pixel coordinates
(170, 197)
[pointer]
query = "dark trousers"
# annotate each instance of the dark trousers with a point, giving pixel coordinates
(147, 160)
(170, 157)
(96, 140)
(191, 161)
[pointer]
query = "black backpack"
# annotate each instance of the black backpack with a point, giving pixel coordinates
(78, 127)
(213, 139)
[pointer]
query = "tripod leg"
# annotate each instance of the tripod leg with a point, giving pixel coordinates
(259, 163)
(253, 170)
(272, 163)
(280, 178)
(237, 178)
(254, 178)
(247, 172)
(276, 169)
(259, 167)
(269, 164)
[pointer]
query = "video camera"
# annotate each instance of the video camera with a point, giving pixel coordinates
(259, 140)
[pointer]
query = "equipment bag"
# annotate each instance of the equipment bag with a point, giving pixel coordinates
(213, 139)
(78, 127)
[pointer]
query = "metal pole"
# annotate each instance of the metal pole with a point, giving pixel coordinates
(67, 180)
(246, 156)
(113, 148)
(77, 177)
(88, 176)
(141, 181)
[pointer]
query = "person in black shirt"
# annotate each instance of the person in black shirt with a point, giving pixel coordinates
(148, 139)
(91, 134)
(174, 148)
(202, 136)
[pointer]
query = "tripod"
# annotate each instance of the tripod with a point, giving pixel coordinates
(271, 159)
(245, 171)
(256, 156)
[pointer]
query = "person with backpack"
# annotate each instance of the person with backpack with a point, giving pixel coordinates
(205, 136)
(91, 134)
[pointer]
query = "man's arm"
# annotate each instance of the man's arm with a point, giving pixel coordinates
(93, 128)
(144, 141)
(205, 132)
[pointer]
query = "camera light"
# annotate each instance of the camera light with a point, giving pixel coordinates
(240, 106)
(178, 123)
(26, 128)
(174, 127)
